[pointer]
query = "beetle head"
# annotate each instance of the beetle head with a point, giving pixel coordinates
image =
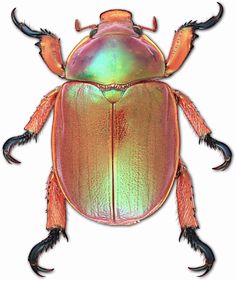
(115, 15)
(116, 22)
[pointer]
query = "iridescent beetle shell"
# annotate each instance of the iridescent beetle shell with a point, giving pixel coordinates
(116, 162)
(115, 150)
(116, 54)
(115, 139)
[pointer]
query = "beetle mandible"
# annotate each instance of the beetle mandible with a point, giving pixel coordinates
(115, 134)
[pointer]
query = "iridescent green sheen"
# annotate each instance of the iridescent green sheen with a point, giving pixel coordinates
(114, 155)
(145, 137)
(82, 151)
(72, 94)
(116, 161)
(115, 59)
(111, 63)
(113, 95)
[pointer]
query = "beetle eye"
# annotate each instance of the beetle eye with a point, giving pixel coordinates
(138, 30)
(93, 32)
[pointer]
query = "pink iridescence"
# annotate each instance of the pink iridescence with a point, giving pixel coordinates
(112, 169)
(115, 55)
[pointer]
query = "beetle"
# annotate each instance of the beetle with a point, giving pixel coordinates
(115, 133)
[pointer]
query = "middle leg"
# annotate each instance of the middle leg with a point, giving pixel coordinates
(201, 128)
(188, 220)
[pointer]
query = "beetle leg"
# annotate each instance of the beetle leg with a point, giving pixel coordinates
(42, 112)
(10, 143)
(42, 246)
(183, 41)
(187, 218)
(56, 210)
(185, 198)
(196, 243)
(49, 45)
(56, 222)
(33, 127)
(202, 130)
(215, 144)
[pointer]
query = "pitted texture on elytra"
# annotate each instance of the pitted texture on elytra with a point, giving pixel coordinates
(111, 169)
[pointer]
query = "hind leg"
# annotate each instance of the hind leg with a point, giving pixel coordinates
(56, 223)
(187, 218)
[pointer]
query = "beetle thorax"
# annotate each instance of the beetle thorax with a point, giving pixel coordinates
(115, 53)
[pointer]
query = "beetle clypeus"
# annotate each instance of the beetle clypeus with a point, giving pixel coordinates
(115, 135)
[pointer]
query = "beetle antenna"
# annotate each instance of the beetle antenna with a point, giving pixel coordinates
(78, 28)
(154, 25)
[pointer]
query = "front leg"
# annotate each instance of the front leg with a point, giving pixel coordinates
(201, 128)
(183, 42)
(33, 127)
(49, 45)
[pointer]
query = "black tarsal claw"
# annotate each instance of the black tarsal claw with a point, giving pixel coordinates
(190, 234)
(65, 235)
(10, 143)
(43, 246)
(26, 29)
(207, 24)
(215, 144)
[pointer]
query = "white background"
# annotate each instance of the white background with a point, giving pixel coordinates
(149, 250)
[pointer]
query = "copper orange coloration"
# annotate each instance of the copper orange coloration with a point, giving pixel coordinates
(56, 210)
(115, 138)
(116, 15)
(185, 199)
(41, 114)
(181, 46)
(52, 56)
(194, 117)
(110, 170)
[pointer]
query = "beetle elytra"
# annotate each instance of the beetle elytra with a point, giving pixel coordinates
(115, 134)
